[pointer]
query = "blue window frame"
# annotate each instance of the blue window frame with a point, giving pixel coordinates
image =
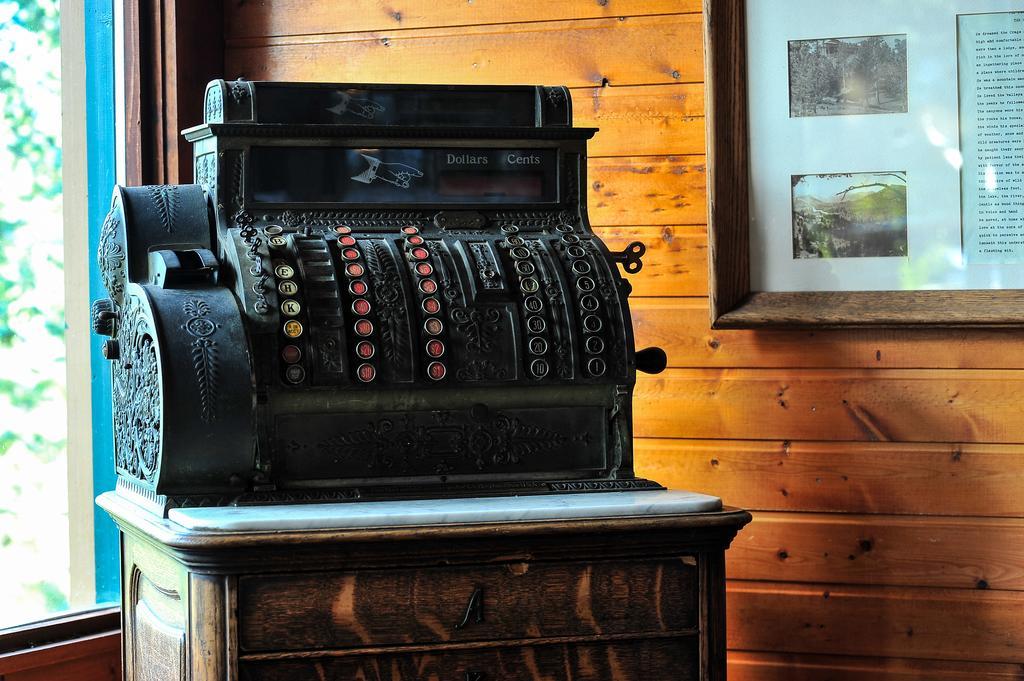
(102, 162)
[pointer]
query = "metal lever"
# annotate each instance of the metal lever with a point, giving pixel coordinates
(651, 360)
(629, 257)
(104, 323)
(171, 269)
(104, 317)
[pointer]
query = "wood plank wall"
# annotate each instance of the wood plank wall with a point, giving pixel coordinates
(884, 467)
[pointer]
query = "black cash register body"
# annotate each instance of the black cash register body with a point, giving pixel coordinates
(371, 292)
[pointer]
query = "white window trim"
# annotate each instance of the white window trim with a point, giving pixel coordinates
(76, 305)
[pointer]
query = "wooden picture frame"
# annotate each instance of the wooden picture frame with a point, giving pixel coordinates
(733, 304)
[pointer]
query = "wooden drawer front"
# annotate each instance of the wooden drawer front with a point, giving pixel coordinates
(491, 602)
(648, 660)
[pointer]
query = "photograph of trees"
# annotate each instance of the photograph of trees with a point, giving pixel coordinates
(847, 76)
(850, 215)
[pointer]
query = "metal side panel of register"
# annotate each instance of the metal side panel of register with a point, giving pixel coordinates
(371, 292)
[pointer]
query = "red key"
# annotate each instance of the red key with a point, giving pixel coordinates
(435, 348)
(361, 306)
(436, 371)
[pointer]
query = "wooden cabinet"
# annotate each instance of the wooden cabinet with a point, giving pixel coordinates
(574, 600)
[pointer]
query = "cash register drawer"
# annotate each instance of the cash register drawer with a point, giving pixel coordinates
(663, 659)
(475, 603)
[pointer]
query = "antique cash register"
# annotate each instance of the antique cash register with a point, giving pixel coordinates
(375, 336)
(371, 292)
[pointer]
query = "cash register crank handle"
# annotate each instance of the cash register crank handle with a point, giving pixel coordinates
(651, 360)
(630, 257)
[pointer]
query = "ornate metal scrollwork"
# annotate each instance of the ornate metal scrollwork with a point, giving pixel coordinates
(204, 355)
(533, 219)
(361, 218)
(165, 200)
(329, 353)
(214, 105)
(486, 265)
(603, 485)
(290, 218)
(237, 187)
(480, 326)
(413, 442)
(555, 96)
(247, 231)
(206, 172)
(111, 255)
(239, 91)
(481, 370)
(136, 396)
(390, 305)
(572, 178)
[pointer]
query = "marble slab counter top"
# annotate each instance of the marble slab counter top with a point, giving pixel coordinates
(367, 514)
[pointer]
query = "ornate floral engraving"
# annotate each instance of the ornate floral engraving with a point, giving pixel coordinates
(596, 485)
(533, 219)
(390, 305)
(553, 292)
(206, 171)
(327, 219)
(239, 91)
(480, 326)
(297, 496)
(563, 359)
(572, 178)
(214, 105)
(204, 355)
(136, 396)
(555, 96)
(486, 265)
(408, 443)
(165, 200)
(481, 370)
(448, 289)
(290, 218)
(329, 352)
(111, 256)
(237, 188)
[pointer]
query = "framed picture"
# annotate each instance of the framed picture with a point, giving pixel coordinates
(865, 162)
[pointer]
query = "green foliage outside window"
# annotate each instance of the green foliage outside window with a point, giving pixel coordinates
(33, 484)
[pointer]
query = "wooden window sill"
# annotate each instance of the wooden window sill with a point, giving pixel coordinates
(84, 646)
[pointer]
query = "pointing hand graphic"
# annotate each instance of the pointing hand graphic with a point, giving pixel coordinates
(398, 174)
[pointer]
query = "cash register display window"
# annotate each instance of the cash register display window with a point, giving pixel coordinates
(284, 175)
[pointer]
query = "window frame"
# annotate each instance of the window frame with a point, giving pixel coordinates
(64, 646)
(59, 629)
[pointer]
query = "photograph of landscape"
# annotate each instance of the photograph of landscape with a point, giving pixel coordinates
(850, 215)
(848, 76)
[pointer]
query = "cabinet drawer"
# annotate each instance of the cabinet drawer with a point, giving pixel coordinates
(647, 660)
(487, 602)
